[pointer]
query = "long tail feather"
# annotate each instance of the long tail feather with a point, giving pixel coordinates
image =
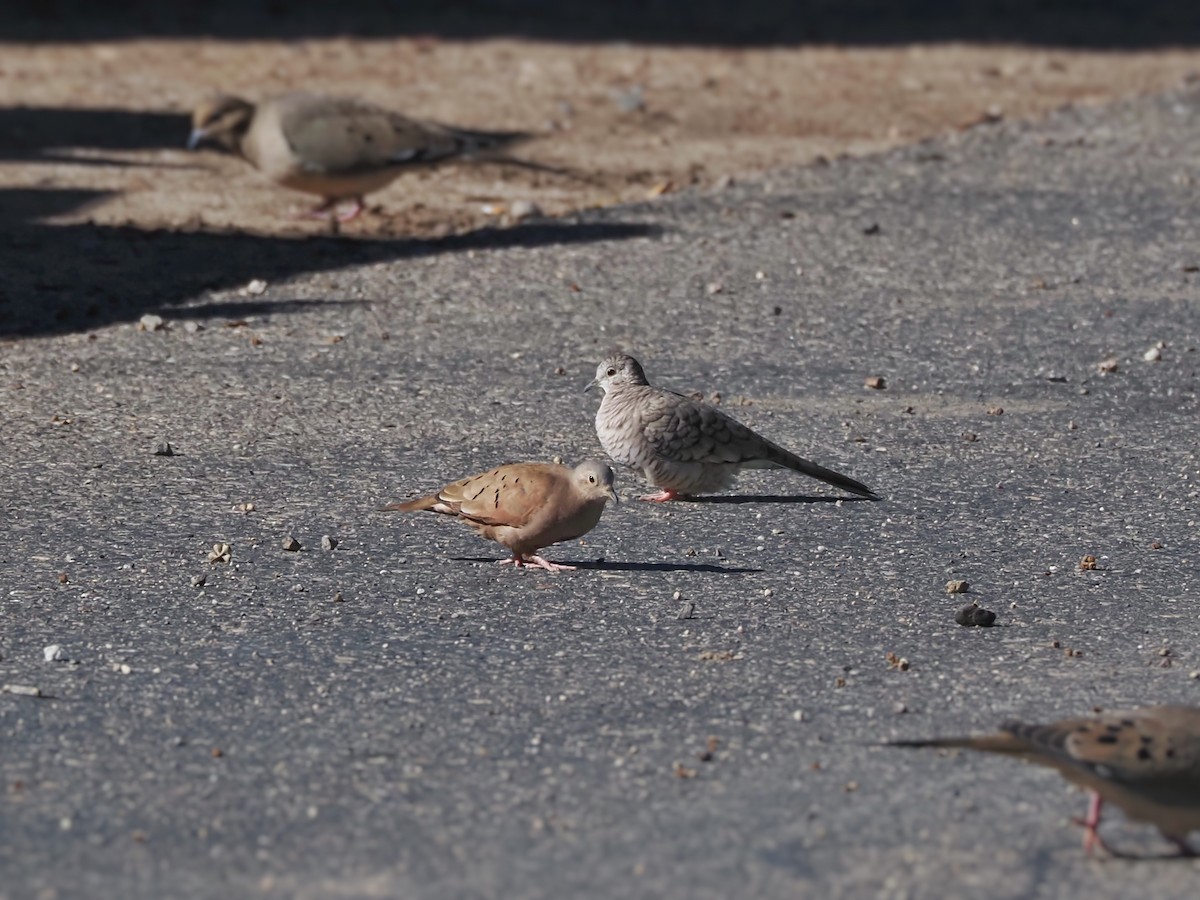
(837, 479)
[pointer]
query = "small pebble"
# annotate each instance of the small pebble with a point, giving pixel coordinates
(631, 100)
(969, 437)
(191, 327)
(957, 587)
(256, 287)
(338, 598)
(328, 543)
(23, 690)
(975, 616)
(64, 578)
(151, 322)
(291, 544)
(1088, 564)
(1154, 354)
(164, 449)
(876, 383)
(53, 653)
(1108, 366)
(198, 581)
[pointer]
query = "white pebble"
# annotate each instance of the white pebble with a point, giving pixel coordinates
(53, 653)
(151, 322)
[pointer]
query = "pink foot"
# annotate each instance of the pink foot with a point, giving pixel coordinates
(328, 210)
(537, 561)
(352, 214)
(661, 497)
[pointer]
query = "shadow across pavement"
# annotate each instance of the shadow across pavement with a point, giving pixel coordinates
(1051, 23)
(60, 279)
(33, 133)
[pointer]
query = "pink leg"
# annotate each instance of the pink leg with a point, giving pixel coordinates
(1091, 838)
(661, 497)
(534, 560)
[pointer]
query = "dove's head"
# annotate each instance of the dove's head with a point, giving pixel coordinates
(223, 120)
(595, 481)
(617, 370)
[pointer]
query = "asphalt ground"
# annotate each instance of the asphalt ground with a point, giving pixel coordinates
(452, 729)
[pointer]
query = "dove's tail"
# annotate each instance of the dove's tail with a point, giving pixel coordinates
(412, 505)
(493, 147)
(989, 743)
(812, 470)
(481, 144)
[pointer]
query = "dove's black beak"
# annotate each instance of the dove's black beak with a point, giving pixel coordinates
(591, 384)
(196, 137)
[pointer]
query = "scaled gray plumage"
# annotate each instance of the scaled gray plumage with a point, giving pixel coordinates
(683, 446)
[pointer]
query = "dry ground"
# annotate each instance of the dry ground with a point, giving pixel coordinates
(708, 114)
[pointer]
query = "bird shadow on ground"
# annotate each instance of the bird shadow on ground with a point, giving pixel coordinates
(603, 565)
(773, 498)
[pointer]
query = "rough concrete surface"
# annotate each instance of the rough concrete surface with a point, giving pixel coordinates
(455, 729)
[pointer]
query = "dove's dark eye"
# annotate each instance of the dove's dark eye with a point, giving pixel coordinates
(592, 479)
(611, 372)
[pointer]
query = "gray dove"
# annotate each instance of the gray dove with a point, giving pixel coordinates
(335, 147)
(526, 506)
(684, 446)
(1146, 761)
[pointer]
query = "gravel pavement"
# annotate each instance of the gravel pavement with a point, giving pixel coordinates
(693, 713)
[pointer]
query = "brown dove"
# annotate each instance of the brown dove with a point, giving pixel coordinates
(335, 147)
(1146, 761)
(684, 446)
(526, 506)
